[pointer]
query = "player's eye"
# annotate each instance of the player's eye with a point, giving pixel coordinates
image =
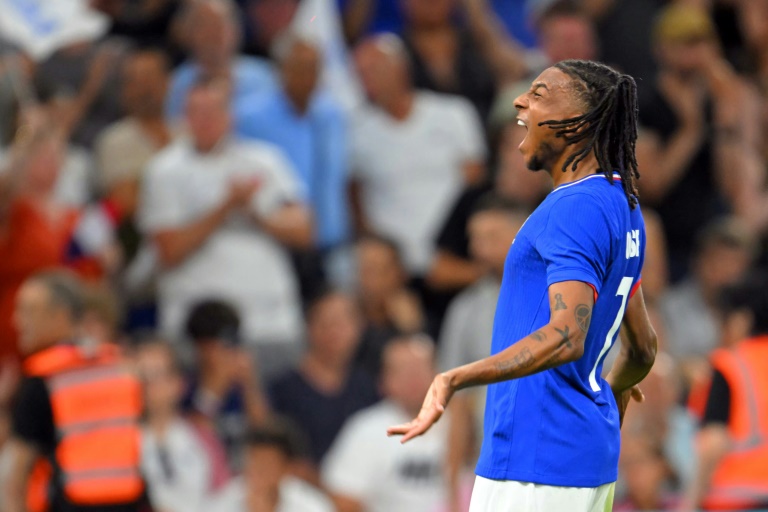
(536, 95)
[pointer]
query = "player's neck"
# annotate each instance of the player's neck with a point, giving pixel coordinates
(586, 167)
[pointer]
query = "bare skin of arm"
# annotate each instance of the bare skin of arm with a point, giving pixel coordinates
(176, 244)
(21, 456)
(291, 225)
(346, 504)
(663, 165)
(712, 443)
(449, 272)
(503, 53)
(638, 352)
(560, 341)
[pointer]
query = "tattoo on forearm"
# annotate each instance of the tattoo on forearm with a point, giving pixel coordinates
(583, 315)
(539, 335)
(565, 333)
(559, 304)
(522, 360)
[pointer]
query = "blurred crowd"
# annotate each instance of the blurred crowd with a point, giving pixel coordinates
(288, 215)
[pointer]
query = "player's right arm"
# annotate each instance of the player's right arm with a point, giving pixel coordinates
(638, 352)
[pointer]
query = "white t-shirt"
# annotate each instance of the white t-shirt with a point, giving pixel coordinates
(295, 496)
(178, 471)
(383, 474)
(411, 171)
(238, 262)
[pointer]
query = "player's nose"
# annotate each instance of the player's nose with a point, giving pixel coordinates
(521, 102)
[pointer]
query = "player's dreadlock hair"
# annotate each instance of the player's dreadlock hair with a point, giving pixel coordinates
(609, 125)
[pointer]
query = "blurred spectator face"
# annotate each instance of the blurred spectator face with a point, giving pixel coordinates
(382, 69)
(513, 179)
(145, 81)
(407, 371)
(217, 354)
(568, 37)
(38, 320)
(428, 13)
(213, 33)
(271, 17)
(380, 271)
(684, 37)
(265, 467)
(735, 326)
(101, 316)
(300, 70)
(208, 116)
(46, 158)
(334, 327)
(163, 385)
(685, 57)
(490, 235)
(645, 471)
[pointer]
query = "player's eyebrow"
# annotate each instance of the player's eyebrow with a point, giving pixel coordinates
(539, 85)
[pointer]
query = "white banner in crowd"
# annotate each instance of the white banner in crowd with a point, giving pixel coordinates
(40, 27)
(318, 20)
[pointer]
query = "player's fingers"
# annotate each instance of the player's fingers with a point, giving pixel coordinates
(399, 430)
(416, 431)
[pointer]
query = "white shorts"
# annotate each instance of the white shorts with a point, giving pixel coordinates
(513, 496)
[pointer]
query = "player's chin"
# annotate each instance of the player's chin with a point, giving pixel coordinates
(534, 163)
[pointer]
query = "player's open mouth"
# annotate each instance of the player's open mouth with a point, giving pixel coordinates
(520, 122)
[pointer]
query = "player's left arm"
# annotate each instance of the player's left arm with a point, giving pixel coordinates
(560, 341)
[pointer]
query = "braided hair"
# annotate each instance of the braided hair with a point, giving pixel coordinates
(609, 125)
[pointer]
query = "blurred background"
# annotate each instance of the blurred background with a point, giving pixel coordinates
(285, 216)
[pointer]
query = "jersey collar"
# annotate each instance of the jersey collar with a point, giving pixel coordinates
(616, 177)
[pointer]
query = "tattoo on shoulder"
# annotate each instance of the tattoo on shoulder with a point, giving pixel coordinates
(559, 304)
(565, 333)
(583, 314)
(539, 335)
(522, 360)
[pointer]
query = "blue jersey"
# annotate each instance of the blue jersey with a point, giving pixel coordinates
(561, 426)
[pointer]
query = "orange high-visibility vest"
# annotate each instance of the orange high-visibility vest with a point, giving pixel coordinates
(740, 480)
(96, 404)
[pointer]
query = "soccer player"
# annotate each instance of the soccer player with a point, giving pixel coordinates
(571, 281)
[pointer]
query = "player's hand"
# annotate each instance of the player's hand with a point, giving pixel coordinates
(623, 399)
(440, 392)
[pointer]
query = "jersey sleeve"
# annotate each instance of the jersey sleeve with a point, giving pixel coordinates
(575, 242)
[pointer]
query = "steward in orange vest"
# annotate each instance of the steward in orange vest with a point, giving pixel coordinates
(77, 410)
(733, 443)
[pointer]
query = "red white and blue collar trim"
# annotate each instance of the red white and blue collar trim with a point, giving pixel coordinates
(616, 177)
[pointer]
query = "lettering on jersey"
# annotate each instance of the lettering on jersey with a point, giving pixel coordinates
(633, 243)
(417, 471)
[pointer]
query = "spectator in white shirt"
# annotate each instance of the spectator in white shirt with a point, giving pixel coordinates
(365, 471)
(221, 212)
(466, 333)
(267, 484)
(412, 153)
(182, 462)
